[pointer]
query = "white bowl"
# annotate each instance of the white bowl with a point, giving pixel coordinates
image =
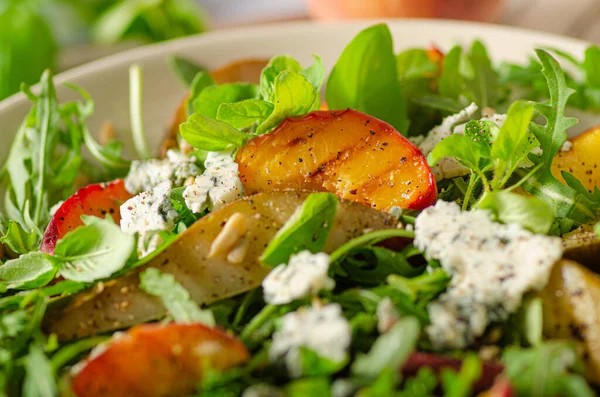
(107, 79)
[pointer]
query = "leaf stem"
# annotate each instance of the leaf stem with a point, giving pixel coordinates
(135, 110)
(257, 321)
(372, 238)
(472, 182)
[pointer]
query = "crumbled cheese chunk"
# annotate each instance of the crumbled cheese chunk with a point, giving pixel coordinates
(306, 274)
(322, 329)
(145, 175)
(454, 124)
(492, 267)
(567, 146)
(387, 315)
(149, 212)
(220, 184)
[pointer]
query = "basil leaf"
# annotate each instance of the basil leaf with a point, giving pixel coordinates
(307, 229)
(413, 64)
(32, 270)
(211, 135)
(464, 149)
(93, 251)
(365, 78)
(277, 65)
(185, 69)
(20, 240)
(451, 81)
(208, 100)
(389, 351)
(175, 297)
(201, 81)
(246, 113)
(528, 211)
(293, 95)
(513, 143)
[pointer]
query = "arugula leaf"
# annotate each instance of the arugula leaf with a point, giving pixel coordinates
(185, 69)
(365, 78)
(28, 271)
(390, 350)
(481, 78)
(513, 143)
(544, 371)
(307, 229)
(208, 100)
(460, 384)
(451, 81)
(528, 211)
(93, 251)
(293, 95)
(175, 297)
(211, 135)
(245, 113)
(424, 287)
(19, 240)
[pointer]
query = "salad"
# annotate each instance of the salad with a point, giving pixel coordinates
(424, 228)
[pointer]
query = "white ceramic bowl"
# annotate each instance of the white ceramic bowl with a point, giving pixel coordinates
(107, 79)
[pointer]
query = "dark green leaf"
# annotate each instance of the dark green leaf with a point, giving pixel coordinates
(211, 135)
(451, 81)
(185, 69)
(483, 83)
(93, 251)
(365, 78)
(528, 211)
(448, 105)
(307, 229)
(390, 350)
(246, 113)
(174, 297)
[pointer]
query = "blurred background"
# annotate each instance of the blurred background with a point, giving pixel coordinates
(60, 34)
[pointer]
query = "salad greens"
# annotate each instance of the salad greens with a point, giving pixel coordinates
(384, 283)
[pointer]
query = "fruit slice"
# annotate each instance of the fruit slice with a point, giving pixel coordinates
(157, 360)
(99, 200)
(582, 159)
(349, 153)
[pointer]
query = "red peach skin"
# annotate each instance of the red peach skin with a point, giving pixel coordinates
(346, 152)
(156, 360)
(97, 200)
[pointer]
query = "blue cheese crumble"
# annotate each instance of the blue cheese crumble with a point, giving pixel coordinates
(453, 124)
(149, 212)
(304, 275)
(220, 184)
(492, 266)
(145, 175)
(322, 329)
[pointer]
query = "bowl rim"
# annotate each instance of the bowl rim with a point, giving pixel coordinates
(134, 55)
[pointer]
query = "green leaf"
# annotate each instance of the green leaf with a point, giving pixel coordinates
(414, 63)
(210, 98)
(93, 251)
(199, 83)
(513, 143)
(528, 211)
(39, 377)
(591, 65)
(293, 95)
(307, 229)
(276, 65)
(365, 78)
(597, 229)
(451, 81)
(545, 370)
(532, 317)
(464, 149)
(315, 365)
(315, 73)
(483, 83)
(175, 297)
(20, 240)
(32, 270)
(424, 287)
(390, 350)
(211, 135)
(461, 384)
(315, 386)
(185, 69)
(246, 113)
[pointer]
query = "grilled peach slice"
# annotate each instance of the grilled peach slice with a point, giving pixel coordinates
(99, 200)
(582, 160)
(349, 153)
(157, 360)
